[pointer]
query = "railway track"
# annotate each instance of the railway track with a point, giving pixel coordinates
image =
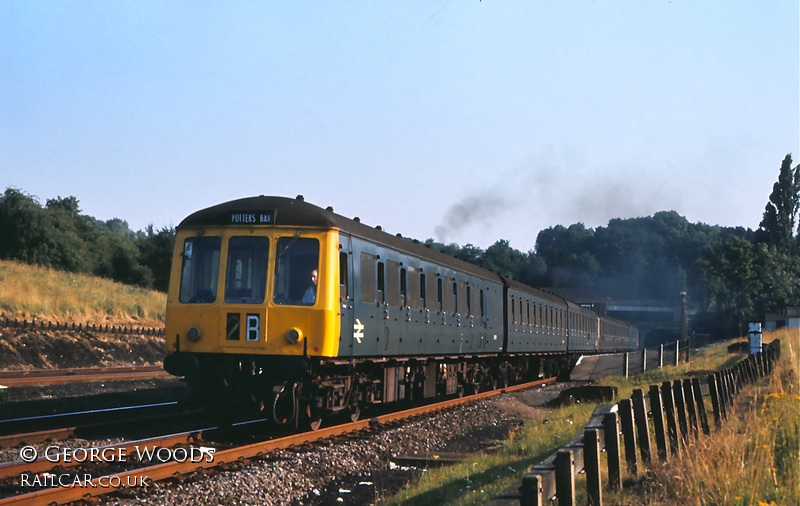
(42, 436)
(95, 418)
(102, 482)
(58, 376)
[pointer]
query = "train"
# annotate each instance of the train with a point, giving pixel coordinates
(283, 310)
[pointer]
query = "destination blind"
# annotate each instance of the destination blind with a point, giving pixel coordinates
(251, 217)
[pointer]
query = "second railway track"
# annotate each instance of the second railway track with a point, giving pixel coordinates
(58, 376)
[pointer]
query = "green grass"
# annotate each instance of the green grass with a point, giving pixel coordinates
(480, 478)
(28, 292)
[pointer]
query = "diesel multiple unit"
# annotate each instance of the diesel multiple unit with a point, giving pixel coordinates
(279, 307)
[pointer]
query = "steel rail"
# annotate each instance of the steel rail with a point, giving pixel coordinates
(55, 376)
(89, 412)
(41, 436)
(174, 469)
(79, 370)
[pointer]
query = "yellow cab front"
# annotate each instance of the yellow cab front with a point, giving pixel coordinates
(255, 291)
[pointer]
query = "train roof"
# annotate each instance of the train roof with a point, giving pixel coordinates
(522, 287)
(288, 212)
(615, 320)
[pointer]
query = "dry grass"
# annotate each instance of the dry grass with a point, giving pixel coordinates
(751, 460)
(31, 292)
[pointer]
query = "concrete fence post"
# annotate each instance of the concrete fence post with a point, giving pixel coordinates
(591, 464)
(611, 433)
(642, 426)
(715, 405)
(691, 411)
(531, 490)
(701, 406)
(656, 409)
(565, 478)
(680, 408)
(668, 398)
(628, 434)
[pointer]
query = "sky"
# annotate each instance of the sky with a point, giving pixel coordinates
(462, 121)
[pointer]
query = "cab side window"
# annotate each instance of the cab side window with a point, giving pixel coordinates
(343, 288)
(296, 271)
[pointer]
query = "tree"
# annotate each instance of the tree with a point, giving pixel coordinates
(47, 237)
(730, 269)
(505, 260)
(567, 254)
(777, 224)
(68, 204)
(155, 253)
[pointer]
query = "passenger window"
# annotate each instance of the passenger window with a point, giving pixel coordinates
(381, 293)
(455, 297)
(482, 306)
(246, 270)
(343, 292)
(513, 310)
(528, 303)
(520, 311)
(469, 301)
(367, 277)
(296, 271)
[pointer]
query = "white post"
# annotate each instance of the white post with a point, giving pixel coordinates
(755, 338)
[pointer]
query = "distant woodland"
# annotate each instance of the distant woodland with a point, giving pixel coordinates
(732, 275)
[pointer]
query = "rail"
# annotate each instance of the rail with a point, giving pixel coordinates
(80, 327)
(678, 411)
(59, 376)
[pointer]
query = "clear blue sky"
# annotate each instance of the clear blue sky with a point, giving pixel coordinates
(462, 121)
